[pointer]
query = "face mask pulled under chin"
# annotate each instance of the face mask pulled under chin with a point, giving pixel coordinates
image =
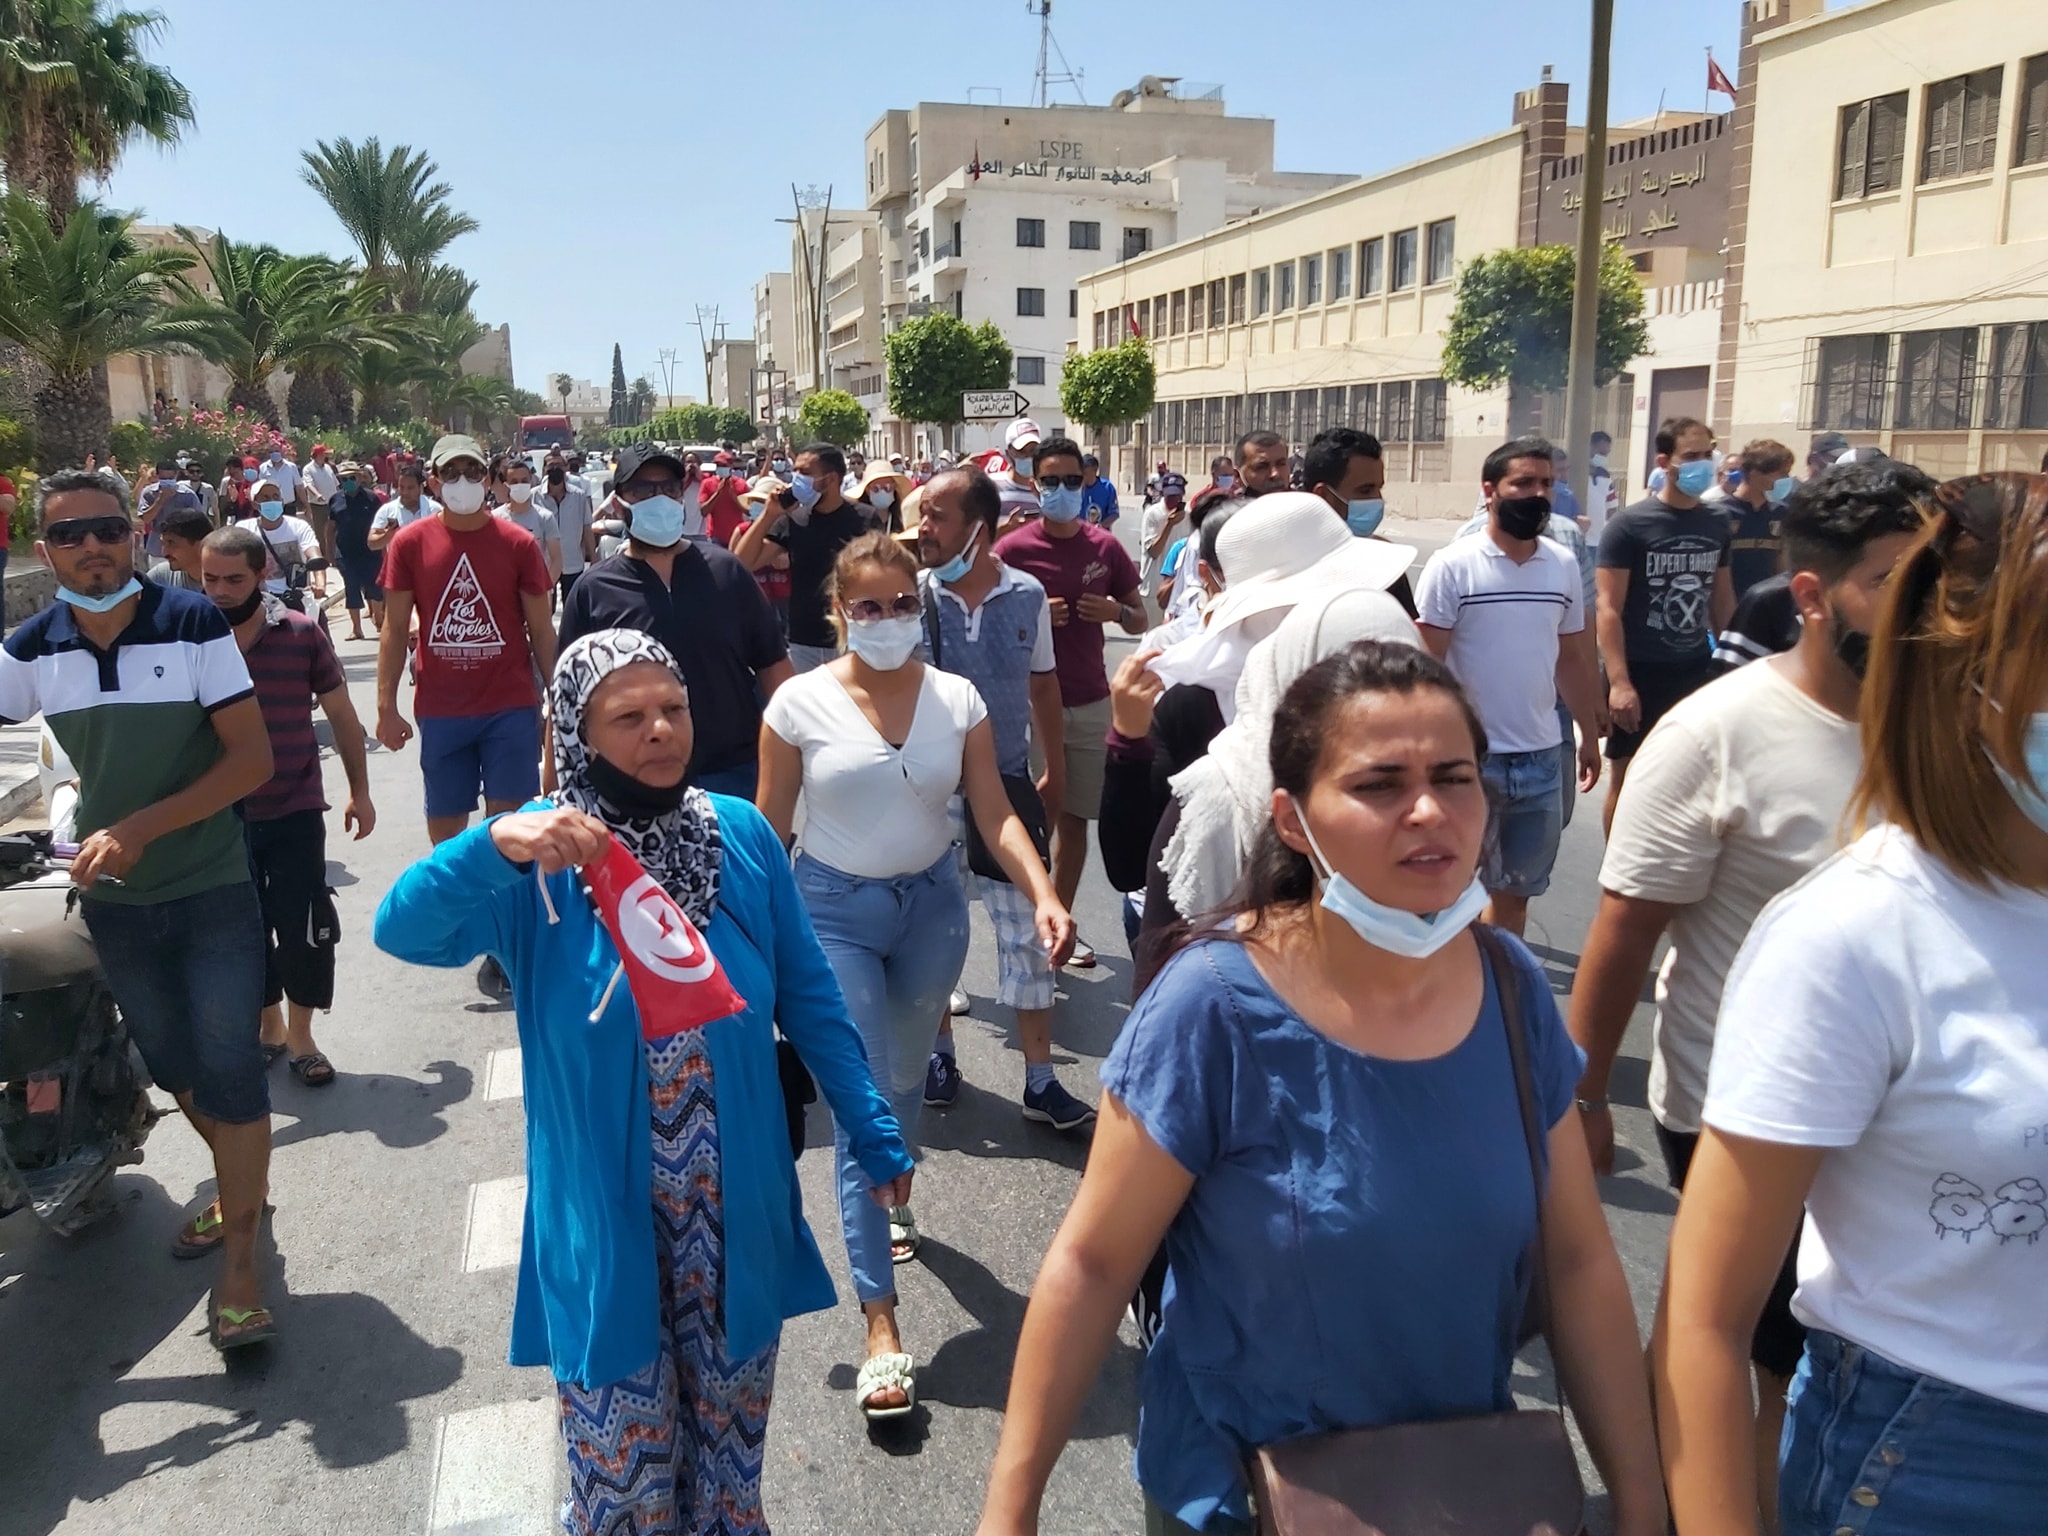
(1413, 935)
(634, 797)
(242, 610)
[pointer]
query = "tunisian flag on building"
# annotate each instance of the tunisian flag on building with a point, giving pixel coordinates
(675, 980)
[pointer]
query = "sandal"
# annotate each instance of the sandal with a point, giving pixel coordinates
(314, 1070)
(238, 1328)
(903, 1235)
(881, 1373)
(272, 1049)
(201, 1235)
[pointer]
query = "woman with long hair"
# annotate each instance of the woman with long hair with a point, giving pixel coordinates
(878, 743)
(1881, 1063)
(1316, 1104)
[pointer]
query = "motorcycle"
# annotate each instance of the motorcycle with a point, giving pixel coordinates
(74, 1105)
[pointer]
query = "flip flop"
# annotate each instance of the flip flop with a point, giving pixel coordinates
(314, 1070)
(903, 1235)
(881, 1372)
(271, 1051)
(253, 1325)
(201, 1235)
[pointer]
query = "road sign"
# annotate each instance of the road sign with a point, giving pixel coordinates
(991, 404)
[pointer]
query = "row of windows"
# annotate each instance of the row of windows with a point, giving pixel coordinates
(1031, 301)
(1959, 136)
(1994, 377)
(1393, 410)
(1082, 235)
(1323, 278)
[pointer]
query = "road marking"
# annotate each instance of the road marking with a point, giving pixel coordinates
(497, 1214)
(505, 1074)
(499, 1471)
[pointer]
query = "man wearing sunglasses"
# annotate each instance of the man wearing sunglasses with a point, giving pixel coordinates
(698, 600)
(148, 695)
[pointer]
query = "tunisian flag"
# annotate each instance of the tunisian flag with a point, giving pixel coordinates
(1717, 78)
(675, 979)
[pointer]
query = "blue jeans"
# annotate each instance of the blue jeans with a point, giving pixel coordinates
(188, 976)
(1528, 821)
(1874, 1449)
(896, 946)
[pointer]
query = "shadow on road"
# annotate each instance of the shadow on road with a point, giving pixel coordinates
(402, 1112)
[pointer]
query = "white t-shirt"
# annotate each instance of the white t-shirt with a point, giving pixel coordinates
(394, 512)
(1505, 619)
(871, 809)
(321, 481)
(1150, 521)
(1736, 795)
(284, 474)
(1897, 1015)
(280, 537)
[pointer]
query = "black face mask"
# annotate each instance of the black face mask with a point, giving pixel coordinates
(1522, 517)
(641, 801)
(1851, 646)
(243, 609)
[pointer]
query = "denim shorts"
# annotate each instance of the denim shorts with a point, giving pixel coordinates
(1528, 820)
(1874, 1449)
(501, 752)
(188, 977)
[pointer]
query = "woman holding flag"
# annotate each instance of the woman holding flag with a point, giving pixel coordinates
(665, 1242)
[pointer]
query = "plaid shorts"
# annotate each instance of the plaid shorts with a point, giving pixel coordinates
(1023, 979)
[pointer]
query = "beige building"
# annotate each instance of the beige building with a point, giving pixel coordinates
(183, 379)
(1889, 275)
(775, 345)
(732, 374)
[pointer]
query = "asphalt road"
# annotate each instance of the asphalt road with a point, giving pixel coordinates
(387, 1407)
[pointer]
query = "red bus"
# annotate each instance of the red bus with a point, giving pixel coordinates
(537, 434)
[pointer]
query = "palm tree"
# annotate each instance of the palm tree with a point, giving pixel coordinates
(641, 399)
(562, 384)
(75, 299)
(391, 206)
(444, 290)
(75, 89)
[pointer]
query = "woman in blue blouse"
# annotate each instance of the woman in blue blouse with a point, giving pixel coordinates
(665, 1240)
(1315, 1106)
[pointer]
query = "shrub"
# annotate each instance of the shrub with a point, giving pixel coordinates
(17, 442)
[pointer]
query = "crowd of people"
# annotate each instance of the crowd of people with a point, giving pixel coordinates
(1345, 1155)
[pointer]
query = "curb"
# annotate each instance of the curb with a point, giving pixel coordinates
(20, 788)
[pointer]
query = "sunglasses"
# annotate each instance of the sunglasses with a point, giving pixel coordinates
(1071, 482)
(74, 531)
(904, 605)
(635, 491)
(473, 476)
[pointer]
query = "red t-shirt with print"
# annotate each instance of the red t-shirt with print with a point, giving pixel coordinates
(473, 656)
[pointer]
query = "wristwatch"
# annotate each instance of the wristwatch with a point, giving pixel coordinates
(1589, 1106)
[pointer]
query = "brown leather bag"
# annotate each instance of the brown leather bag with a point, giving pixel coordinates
(1497, 1474)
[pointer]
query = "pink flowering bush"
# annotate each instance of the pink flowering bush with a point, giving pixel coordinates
(210, 436)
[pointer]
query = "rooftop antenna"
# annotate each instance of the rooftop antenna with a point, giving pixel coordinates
(1049, 50)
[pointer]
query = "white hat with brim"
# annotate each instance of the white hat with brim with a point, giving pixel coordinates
(1281, 547)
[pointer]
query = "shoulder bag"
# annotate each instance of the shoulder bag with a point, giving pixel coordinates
(1495, 1474)
(1020, 787)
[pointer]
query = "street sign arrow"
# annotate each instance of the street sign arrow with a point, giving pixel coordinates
(991, 404)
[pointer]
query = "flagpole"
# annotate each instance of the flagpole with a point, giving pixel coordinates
(1706, 96)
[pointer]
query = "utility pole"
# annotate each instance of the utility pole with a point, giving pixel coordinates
(666, 361)
(709, 340)
(1578, 412)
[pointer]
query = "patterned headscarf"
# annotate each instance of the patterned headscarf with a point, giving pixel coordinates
(680, 848)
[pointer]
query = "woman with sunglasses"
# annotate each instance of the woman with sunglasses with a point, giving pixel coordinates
(1881, 1062)
(878, 743)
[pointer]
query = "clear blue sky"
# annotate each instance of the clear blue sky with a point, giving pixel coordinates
(627, 159)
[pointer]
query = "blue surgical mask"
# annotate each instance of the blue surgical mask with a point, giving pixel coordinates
(1782, 487)
(112, 600)
(780, 466)
(657, 522)
(252, 475)
(2028, 797)
(961, 563)
(1414, 935)
(1059, 504)
(804, 490)
(1657, 479)
(1364, 516)
(1696, 477)
(270, 511)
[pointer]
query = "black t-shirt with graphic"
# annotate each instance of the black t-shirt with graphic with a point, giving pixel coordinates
(813, 550)
(1759, 540)
(1671, 557)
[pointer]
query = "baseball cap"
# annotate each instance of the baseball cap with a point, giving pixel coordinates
(456, 445)
(319, 447)
(722, 457)
(635, 457)
(1023, 430)
(1829, 445)
(1173, 485)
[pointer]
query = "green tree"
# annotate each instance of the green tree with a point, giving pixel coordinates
(833, 416)
(1512, 321)
(561, 384)
(617, 415)
(75, 89)
(395, 212)
(735, 425)
(639, 401)
(1108, 388)
(72, 301)
(932, 360)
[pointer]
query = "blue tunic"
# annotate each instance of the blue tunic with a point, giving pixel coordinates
(587, 1303)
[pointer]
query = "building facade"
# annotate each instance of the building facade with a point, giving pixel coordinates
(775, 346)
(732, 374)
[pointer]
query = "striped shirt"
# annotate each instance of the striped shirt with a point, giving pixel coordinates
(292, 663)
(1505, 619)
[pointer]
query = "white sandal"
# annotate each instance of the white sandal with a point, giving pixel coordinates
(879, 1374)
(903, 1234)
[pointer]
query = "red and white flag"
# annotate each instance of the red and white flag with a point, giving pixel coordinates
(676, 981)
(1717, 79)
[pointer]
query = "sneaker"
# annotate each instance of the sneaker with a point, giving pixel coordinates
(1083, 957)
(958, 1004)
(1052, 1105)
(941, 1081)
(491, 979)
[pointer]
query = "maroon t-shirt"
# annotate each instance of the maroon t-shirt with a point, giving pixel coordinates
(1090, 561)
(473, 654)
(291, 663)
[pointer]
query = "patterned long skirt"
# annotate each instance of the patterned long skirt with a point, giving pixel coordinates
(677, 1449)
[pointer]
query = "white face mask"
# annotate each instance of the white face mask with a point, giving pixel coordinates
(1414, 935)
(521, 494)
(881, 499)
(462, 497)
(884, 644)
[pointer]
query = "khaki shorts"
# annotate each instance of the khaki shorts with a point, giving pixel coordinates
(1087, 750)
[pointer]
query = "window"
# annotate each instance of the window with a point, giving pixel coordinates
(1280, 413)
(1198, 304)
(1962, 125)
(1340, 273)
(2031, 146)
(1285, 273)
(1872, 158)
(1237, 299)
(1144, 317)
(2018, 397)
(1395, 399)
(1030, 301)
(913, 157)
(1404, 260)
(1101, 329)
(1372, 266)
(1851, 385)
(958, 248)
(1136, 242)
(1443, 244)
(1174, 422)
(1031, 232)
(1030, 370)
(1073, 303)
(1307, 421)
(1084, 235)
(1431, 410)
(1216, 304)
(1311, 280)
(1159, 314)
(1365, 407)
(1262, 291)
(1180, 311)
(1937, 379)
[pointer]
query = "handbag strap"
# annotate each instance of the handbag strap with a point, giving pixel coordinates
(1507, 985)
(932, 622)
